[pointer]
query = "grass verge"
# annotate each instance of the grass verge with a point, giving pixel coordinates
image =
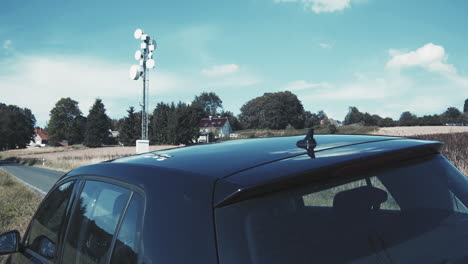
(17, 205)
(455, 148)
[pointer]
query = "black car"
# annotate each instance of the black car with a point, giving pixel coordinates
(332, 199)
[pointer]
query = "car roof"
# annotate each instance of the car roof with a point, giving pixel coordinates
(230, 163)
(220, 160)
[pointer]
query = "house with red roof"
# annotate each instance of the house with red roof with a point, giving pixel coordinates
(218, 126)
(40, 138)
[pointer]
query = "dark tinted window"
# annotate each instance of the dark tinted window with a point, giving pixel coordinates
(128, 239)
(46, 226)
(94, 221)
(416, 213)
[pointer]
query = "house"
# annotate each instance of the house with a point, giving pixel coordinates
(40, 138)
(218, 126)
(331, 122)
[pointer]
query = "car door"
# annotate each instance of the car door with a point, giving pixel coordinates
(105, 225)
(43, 239)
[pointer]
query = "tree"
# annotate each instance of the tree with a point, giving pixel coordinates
(61, 119)
(16, 126)
(77, 130)
(452, 115)
(430, 120)
(387, 122)
(183, 125)
(354, 116)
(159, 123)
(274, 111)
(210, 102)
(465, 106)
(233, 121)
(98, 126)
(311, 120)
(408, 119)
(130, 128)
(176, 124)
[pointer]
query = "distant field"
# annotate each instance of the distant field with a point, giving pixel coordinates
(419, 130)
(67, 158)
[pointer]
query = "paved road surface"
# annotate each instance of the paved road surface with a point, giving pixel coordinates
(37, 178)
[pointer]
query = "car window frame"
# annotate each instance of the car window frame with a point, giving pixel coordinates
(64, 226)
(97, 178)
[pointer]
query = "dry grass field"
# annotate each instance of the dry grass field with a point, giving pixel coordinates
(419, 130)
(455, 148)
(67, 158)
(455, 140)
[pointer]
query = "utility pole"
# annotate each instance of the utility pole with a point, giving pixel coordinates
(145, 58)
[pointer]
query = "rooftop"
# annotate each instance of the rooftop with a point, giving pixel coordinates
(212, 122)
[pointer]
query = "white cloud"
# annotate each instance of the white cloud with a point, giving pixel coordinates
(228, 75)
(362, 88)
(326, 45)
(302, 85)
(322, 6)
(391, 93)
(7, 44)
(221, 70)
(429, 57)
(39, 82)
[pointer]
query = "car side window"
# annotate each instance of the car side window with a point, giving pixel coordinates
(128, 238)
(46, 226)
(94, 221)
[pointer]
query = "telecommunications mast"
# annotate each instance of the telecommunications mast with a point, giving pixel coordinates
(144, 56)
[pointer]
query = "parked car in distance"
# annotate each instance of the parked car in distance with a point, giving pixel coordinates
(322, 199)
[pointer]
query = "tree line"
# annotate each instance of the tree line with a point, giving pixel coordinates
(451, 116)
(177, 123)
(67, 124)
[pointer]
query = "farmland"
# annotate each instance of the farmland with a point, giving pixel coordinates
(419, 130)
(455, 139)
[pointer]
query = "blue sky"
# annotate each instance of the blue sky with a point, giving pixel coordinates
(384, 57)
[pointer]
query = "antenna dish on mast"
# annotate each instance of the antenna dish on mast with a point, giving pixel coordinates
(138, 33)
(150, 63)
(138, 55)
(135, 72)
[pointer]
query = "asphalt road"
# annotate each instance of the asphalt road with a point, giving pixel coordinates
(38, 179)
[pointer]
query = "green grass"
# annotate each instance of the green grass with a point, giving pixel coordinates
(17, 205)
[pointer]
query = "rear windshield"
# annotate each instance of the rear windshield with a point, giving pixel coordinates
(416, 213)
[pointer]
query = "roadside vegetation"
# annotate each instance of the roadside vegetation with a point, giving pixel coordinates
(455, 148)
(68, 158)
(17, 205)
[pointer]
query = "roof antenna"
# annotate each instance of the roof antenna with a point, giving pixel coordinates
(308, 143)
